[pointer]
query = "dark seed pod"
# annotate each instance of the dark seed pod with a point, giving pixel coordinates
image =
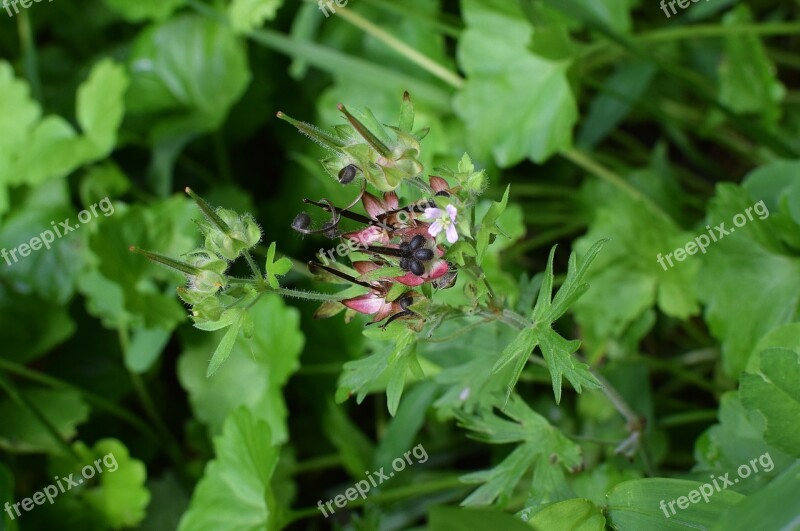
(301, 221)
(405, 247)
(417, 242)
(405, 302)
(329, 229)
(417, 268)
(405, 263)
(423, 254)
(443, 193)
(348, 173)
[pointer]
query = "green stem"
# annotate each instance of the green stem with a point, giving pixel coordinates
(307, 295)
(171, 446)
(29, 54)
(584, 161)
(423, 61)
(318, 463)
(96, 400)
(689, 417)
(259, 277)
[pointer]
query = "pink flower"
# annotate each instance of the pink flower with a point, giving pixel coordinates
(443, 221)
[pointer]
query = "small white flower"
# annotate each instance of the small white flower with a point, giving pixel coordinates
(443, 221)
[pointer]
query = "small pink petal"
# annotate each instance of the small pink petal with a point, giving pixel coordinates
(410, 232)
(433, 213)
(438, 184)
(452, 212)
(364, 266)
(372, 205)
(366, 304)
(438, 269)
(390, 201)
(436, 227)
(410, 279)
(386, 310)
(452, 234)
(368, 235)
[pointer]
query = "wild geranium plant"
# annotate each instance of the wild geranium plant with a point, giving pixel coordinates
(416, 238)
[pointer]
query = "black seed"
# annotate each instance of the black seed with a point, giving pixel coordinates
(443, 193)
(301, 221)
(423, 254)
(417, 242)
(406, 301)
(347, 174)
(405, 264)
(405, 247)
(417, 268)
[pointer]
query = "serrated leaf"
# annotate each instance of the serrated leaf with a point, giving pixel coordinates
(542, 446)
(505, 81)
(225, 346)
(254, 374)
(247, 15)
(558, 353)
(100, 106)
(774, 392)
(23, 432)
(235, 493)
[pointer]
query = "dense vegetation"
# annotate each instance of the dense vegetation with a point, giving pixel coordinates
(559, 289)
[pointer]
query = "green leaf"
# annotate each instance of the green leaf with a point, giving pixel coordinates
(246, 15)
(146, 346)
(748, 81)
(123, 288)
(52, 271)
(737, 438)
(145, 9)
(390, 364)
(444, 518)
(575, 515)
(275, 269)
(748, 281)
(177, 93)
(558, 353)
(489, 225)
(100, 106)
(225, 346)
(118, 493)
(637, 504)
(356, 450)
(507, 83)
(23, 432)
(775, 393)
(253, 376)
(518, 351)
(542, 446)
(235, 493)
(773, 507)
(627, 279)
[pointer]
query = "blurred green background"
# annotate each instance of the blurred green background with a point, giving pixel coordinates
(608, 119)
